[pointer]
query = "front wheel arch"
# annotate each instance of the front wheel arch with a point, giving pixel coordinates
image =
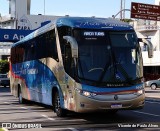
(60, 112)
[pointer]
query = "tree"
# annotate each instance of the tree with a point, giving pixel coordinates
(126, 20)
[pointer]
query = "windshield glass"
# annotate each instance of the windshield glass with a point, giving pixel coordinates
(108, 57)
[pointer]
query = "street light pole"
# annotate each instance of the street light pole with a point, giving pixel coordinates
(114, 16)
(122, 7)
(44, 7)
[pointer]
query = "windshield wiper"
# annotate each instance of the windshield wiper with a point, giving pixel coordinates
(116, 67)
(91, 82)
(113, 63)
(138, 80)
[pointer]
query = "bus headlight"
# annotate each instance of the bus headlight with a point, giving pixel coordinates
(88, 94)
(85, 93)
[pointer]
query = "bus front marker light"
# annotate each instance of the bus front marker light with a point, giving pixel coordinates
(85, 93)
(78, 90)
(93, 94)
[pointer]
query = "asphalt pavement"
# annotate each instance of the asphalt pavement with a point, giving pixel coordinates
(151, 94)
(10, 110)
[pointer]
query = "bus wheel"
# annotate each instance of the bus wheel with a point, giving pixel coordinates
(57, 107)
(20, 98)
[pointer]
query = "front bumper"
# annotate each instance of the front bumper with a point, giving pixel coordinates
(109, 102)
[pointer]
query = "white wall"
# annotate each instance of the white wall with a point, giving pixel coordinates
(31, 22)
(155, 61)
(19, 8)
(157, 2)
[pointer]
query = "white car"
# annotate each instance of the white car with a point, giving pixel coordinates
(153, 83)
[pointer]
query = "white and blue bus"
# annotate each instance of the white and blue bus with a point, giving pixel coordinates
(81, 65)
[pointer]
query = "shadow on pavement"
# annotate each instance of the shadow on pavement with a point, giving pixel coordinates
(151, 91)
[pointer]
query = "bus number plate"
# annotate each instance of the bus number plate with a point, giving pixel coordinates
(116, 105)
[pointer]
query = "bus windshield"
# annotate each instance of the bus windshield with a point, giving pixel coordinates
(109, 58)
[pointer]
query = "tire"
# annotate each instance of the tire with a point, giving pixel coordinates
(57, 107)
(153, 86)
(20, 98)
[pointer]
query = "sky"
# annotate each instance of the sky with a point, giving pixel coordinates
(98, 8)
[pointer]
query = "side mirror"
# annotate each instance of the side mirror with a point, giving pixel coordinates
(74, 45)
(150, 46)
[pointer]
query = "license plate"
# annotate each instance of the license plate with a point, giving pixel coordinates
(116, 106)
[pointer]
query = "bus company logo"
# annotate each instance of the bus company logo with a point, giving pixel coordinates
(116, 97)
(20, 125)
(6, 125)
(118, 77)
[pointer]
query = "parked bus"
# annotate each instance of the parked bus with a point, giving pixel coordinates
(81, 65)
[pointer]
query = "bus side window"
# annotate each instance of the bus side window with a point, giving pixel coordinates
(67, 59)
(51, 45)
(63, 31)
(69, 64)
(41, 46)
(17, 54)
(46, 46)
(26, 58)
(29, 51)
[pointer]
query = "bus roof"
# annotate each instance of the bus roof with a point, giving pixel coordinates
(93, 23)
(80, 22)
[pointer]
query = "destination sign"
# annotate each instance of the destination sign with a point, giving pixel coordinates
(94, 34)
(145, 11)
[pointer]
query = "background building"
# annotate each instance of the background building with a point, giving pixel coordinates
(20, 18)
(150, 30)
